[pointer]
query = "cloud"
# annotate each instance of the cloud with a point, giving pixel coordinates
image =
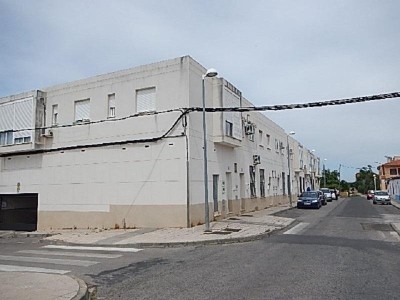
(273, 51)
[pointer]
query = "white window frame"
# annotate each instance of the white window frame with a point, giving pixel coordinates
(54, 115)
(82, 110)
(146, 100)
(111, 106)
(228, 128)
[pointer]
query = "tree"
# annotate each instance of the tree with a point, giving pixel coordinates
(331, 178)
(365, 180)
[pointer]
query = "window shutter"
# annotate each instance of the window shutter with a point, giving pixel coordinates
(6, 116)
(82, 110)
(23, 118)
(146, 100)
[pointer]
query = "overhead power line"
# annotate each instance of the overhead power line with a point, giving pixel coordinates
(303, 105)
(233, 109)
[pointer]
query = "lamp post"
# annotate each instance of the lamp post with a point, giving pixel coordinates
(210, 73)
(374, 181)
(323, 167)
(288, 162)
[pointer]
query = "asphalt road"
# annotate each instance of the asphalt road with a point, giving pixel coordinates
(345, 250)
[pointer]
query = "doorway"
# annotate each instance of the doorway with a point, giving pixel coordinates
(18, 212)
(215, 192)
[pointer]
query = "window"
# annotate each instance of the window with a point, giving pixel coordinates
(228, 128)
(252, 182)
(268, 140)
(262, 183)
(146, 100)
(6, 138)
(111, 106)
(15, 119)
(54, 120)
(260, 138)
(393, 171)
(82, 110)
(276, 145)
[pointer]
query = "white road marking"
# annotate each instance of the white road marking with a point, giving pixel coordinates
(395, 235)
(69, 253)
(57, 261)
(296, 229)
(9, 268)
(117, 249)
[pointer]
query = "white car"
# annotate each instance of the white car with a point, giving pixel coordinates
(381, 197)
(327, 193)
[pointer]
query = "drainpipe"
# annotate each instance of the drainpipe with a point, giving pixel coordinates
(184, 124)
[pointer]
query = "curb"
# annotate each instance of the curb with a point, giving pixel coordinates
(191, 243)
(83, 292)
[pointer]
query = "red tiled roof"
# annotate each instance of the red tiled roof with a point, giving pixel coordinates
(394, 163)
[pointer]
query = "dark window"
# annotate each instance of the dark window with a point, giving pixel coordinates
(252, 182)
(262, 183)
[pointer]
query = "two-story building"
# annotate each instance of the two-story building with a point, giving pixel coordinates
(125, 150)
(389, 175)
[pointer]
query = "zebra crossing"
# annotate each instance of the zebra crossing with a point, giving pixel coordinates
(61, 256)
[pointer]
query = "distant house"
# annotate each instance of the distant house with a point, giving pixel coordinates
(123, 150)
(389, 174)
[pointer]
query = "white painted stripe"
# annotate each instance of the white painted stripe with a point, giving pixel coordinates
(9, 268)
(66, 253)
(395, 235)
(55, 261)
(117, 249)
(296, 229)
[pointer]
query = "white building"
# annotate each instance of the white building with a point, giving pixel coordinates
(120, 150)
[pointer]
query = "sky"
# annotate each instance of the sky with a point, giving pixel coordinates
(275, 52)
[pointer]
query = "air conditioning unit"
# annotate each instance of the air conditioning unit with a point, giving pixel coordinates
(249, 129)
(47, 133)
(256, 159)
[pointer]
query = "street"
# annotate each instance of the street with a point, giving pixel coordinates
(339, 254)
(345, 250)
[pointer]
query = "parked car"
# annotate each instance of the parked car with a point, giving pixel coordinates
(311, 199)
(333, 193)
(323, 198)
(328, 194)
(370, 194)
(381, 197)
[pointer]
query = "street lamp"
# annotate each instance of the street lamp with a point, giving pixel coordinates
(210, 73)
(288, 162)
(323, 167)
(374, 181)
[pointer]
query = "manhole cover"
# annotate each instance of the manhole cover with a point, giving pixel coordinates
(377, 226)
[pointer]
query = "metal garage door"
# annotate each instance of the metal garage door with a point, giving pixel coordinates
(18, 212)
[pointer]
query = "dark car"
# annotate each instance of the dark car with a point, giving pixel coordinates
(312, 199)
(370, 195)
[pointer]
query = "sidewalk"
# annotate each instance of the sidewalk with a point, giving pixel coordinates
(30, 286)
(247, 227)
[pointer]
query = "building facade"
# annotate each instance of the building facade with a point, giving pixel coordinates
(389, 170)
(125, 150)
(389, 175)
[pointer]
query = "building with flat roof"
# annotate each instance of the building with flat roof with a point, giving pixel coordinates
(125, 150)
